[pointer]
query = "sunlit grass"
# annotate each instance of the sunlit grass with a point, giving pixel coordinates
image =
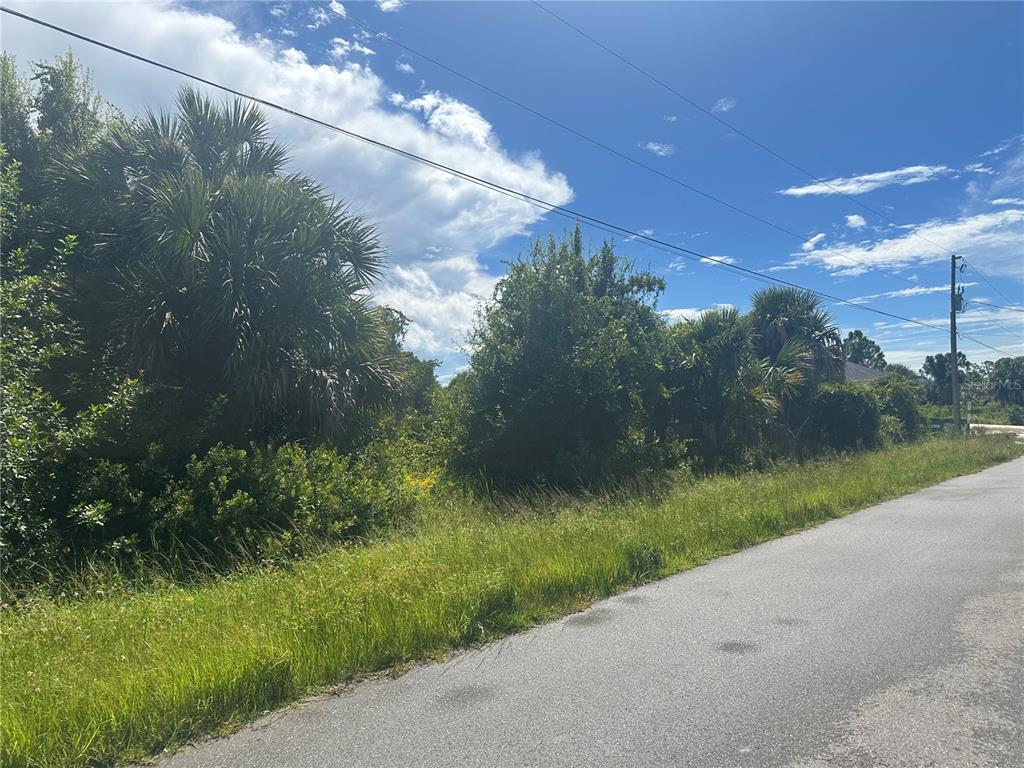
(106, 680)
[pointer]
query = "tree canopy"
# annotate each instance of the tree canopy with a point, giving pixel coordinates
(862, 350)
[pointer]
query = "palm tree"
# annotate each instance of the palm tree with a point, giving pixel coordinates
(205, 266)
(794, 316)
(725, 396)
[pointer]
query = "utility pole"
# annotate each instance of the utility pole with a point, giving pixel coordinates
(955, 303)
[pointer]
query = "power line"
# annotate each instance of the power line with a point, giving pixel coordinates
(597, 143)
(493, 186)
(982, 343)
(988, 282)
(727, 124)
(988, 318)
(993, 320)
(995, 306)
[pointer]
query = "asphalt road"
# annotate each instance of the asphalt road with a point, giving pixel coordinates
(892, 637)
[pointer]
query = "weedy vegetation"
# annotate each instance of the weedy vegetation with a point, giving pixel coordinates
(227, 484)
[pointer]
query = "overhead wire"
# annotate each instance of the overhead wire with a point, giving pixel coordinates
(739, 132)
(387, 37)
(493, 186)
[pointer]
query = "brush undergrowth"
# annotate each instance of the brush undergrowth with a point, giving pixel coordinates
(100, 681)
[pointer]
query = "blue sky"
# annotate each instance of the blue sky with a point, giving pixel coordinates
(914, 109)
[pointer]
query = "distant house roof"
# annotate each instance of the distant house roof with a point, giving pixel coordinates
(858, 372)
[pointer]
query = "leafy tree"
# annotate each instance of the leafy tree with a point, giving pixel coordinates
(205, 267)
(564, 385)
(860, 349)
(901, 371)
(1007, 380)
(938, 370)
(16, 106)
(783, 315)
(70, 114)
(53, 114)
(723, 396)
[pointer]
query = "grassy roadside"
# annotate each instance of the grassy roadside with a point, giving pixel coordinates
(109, 680)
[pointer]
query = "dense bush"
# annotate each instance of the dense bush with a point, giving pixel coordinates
(193, 362)
(844, 417)
(723, 398)
(564, 386)
(898, 399)
(261, 498)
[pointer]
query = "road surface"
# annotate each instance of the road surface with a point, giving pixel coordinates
(891, 637)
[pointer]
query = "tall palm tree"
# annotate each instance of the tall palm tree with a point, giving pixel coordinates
(794, 316)
(205, 266)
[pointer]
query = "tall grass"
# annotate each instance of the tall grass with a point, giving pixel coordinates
(101, 681)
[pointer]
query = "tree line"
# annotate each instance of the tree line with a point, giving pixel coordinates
(194, 364)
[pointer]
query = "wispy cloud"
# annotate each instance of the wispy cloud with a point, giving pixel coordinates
(994, 238)
(811, 244)
(1004, 145)
(390, 6)
(405, 67)
(1008, 201)
(338, 8)
(670, 118)
(917, 290)
(657, 148)
(868, 182)
(724, 104)
(979, 168)
(646, 232)
(717, 261)
(690, 313)
(855, 221)
(341, 48)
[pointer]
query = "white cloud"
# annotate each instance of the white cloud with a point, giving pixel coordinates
(657, 148)
(1004, 145)
(390, 6)
(717, 261)
(724, 104)
(979, 168)
(449, 116)
(868, 182)
(338, 8)
(1008, 201)
(418, 210)
(690, 313)
(670, 118)
(405, 67)
(855, 221)
(318, 18)
(994, 240)
(646, 232)
(341, 48)
(811, 244)
(916, 290)
(280, 11)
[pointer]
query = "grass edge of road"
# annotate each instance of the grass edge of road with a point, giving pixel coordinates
(109, 680)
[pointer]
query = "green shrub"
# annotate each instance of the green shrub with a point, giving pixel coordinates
(844, 417)
(897, 398)
(262, 500)
(890, 430)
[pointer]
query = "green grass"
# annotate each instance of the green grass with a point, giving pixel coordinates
(107, 680)
(990, 413)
